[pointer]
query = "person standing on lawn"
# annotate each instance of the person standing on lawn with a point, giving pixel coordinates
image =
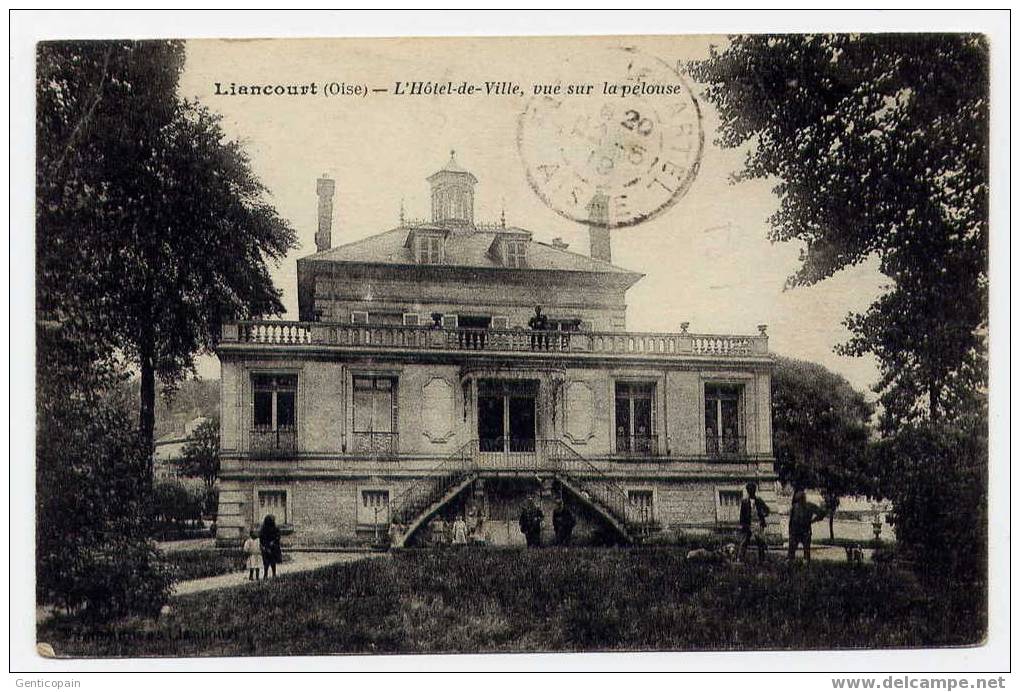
(254, 555)
(563, 523)
(753, 511)
(531, 523)
(460, 531)
(269, 542)
(802, 515)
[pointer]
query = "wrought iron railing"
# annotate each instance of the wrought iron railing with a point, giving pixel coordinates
(381, 443)
(726, 446)
(272, 442)
(539, 456)
(589, 479)
(637, 445)
(508, 444)
(422, 493)
(521, 340)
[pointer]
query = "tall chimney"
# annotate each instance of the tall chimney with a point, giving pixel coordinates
(325, 187)
(598, 227)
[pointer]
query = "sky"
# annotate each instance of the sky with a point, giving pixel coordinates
(707, 259)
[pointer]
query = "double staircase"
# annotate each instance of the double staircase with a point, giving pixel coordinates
(424, 498)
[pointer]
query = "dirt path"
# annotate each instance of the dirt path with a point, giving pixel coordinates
(301, 562)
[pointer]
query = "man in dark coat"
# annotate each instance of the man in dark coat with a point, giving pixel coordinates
(753, 511)
(538, 324)
(563, 523)
(802, 515)
(531, 523)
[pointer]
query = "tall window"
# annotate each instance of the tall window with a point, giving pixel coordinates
(515, 253)
(723, 429)
(634, 404)
(375, 414)
(275, 401)
(430, 249)
(274, 415)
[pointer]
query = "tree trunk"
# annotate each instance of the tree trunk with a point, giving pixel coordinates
(934, 394)
(147, 412)
(832, 533)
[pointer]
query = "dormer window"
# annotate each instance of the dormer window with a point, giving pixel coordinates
(430, 248)
(515, 253)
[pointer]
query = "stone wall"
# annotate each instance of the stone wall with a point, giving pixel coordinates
(324, 512)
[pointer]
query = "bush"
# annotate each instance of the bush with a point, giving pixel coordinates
(175, 504)
(936, 478)
(211, 502)
(93, 554)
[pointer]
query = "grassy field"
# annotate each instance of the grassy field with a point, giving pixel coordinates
(548, 600)
(206, 562)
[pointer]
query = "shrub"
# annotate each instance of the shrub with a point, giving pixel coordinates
(175, 504)
(936, 478)
(93, 554)
(211, 502)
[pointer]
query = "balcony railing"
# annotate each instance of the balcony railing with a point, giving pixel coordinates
(506, 340)
(726, 446)
(270, 442)
(637, 445)
(280, 333)
(381, 443)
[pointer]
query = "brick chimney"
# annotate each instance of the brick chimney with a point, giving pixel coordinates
(325, 187)
(598, 227)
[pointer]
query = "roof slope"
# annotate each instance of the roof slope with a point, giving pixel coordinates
(464, 248)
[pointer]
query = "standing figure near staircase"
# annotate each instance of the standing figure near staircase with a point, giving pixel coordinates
(563, 523)
(460, 531)
(531, 523)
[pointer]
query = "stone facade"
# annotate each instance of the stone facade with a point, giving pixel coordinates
(420, 386)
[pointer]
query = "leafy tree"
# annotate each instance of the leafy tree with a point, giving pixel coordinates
(93, 553)
(879, 146)
(151, 227)
(937, 479)
(174, 504)
(821, 429)
(201, 457)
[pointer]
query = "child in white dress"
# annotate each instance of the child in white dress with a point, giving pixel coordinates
(254, 556)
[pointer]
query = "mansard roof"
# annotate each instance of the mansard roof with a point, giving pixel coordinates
(465, 247)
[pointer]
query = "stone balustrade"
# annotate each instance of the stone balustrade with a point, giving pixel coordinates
(283, 333)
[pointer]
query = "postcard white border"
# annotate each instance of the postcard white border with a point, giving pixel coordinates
(29, 27)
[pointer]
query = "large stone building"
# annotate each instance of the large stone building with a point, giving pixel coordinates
(416, 385)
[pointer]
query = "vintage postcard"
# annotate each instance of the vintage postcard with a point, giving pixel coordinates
(504, 345)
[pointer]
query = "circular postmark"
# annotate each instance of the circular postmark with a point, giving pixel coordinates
(621, 155)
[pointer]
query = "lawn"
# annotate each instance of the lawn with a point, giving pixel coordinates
(547, 600)
(205, 562)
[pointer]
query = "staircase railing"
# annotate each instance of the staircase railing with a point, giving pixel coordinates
(549, 456)
(424, 492)
(590, 479)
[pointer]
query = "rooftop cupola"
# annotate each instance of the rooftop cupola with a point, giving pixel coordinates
(453, 195)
